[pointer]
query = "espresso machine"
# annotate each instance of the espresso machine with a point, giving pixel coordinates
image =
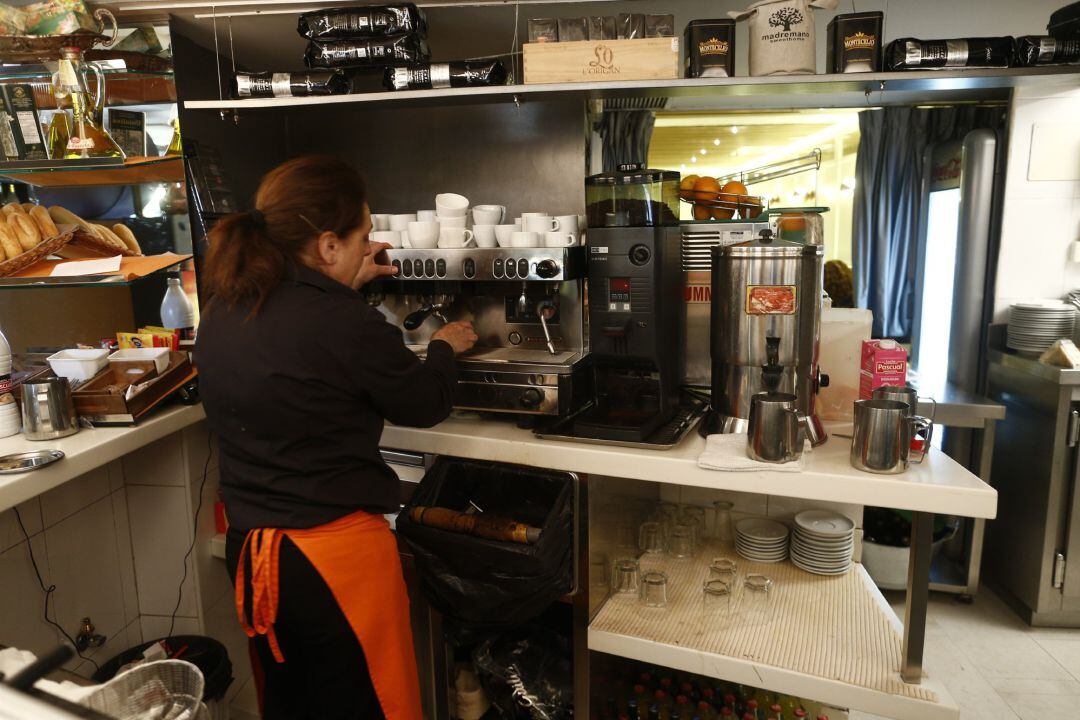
(526, 305)
(635, 296)
(765, 327)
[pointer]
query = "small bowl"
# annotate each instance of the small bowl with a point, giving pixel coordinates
(78, 364)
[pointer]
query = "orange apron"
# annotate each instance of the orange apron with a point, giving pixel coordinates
(357, 557)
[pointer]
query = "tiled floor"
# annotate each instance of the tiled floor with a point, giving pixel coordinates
(996, 666)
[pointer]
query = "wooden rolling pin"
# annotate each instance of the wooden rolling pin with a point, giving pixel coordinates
(485, 526)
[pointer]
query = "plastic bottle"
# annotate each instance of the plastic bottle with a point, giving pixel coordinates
(10, 420)
(177, 312)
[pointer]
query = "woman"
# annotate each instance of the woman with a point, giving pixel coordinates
(298, 374)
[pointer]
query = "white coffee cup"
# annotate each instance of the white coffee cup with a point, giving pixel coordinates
(451, 205)
(568, 223)
(428, 215)
(380, 221)
(558, 238)
(390, 237)
(424, 234)
(454, 222)
(488, 214)
(401, 222)
(540, 223)
(451, 237)
(525, 239)
(503, 233)
(484, 234)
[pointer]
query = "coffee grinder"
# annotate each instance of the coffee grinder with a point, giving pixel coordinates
(634, 294)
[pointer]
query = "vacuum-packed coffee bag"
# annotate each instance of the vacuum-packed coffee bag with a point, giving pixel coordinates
(427, 76)
(915, 54)
(361, 52)
(373, 21)
(1037, 50)
(290, 84)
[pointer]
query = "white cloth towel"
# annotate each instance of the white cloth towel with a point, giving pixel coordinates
(728, 453)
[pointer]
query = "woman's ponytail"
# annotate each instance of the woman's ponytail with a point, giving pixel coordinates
(250, 251)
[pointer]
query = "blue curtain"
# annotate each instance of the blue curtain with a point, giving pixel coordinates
(888, 203)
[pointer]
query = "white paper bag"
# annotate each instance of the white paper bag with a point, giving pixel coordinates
(782, 35)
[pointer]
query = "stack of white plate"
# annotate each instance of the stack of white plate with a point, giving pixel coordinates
(1034, 325)
(761, 540)
(823, 542)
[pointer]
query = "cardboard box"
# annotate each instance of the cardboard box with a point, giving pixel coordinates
(884, 362)
(602, 61)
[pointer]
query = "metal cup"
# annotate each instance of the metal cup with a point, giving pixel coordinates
(48, 411)
(773, 431)
(903, 393)
(884, 431)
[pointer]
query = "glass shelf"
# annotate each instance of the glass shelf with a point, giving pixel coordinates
(132, 171)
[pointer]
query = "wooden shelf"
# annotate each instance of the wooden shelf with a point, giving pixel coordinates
(133, 171)
(830, 639)
(860, 89)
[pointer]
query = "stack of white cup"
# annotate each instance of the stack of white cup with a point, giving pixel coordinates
(10, 420)
(537, 229)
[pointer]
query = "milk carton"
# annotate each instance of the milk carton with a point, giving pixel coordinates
(884, 362)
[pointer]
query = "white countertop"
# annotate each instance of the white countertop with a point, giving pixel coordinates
(87, 450)
(938, 485)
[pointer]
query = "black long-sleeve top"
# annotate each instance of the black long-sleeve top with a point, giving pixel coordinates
(297, 396)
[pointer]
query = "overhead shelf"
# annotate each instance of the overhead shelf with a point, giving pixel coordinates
(132, 171)
(709, 93)
(830, 639)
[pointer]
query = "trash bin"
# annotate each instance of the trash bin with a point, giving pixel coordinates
(205, 653)
(488, 584)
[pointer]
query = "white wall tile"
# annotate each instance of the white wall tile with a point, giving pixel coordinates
(221, 624)
(157, 626)
(74, 495)
(85, 567)
(123, 639)
(10, 532)
(214, 583)
(125, 556)
(160, 536)
(196, 446)
(159, 463)
(22, 601)
(116, 475)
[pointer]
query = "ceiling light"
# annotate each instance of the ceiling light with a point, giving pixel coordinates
(716, 141)
(848, 183)
(702, 151)
(683, 166)
(693, 158)
(734, 129)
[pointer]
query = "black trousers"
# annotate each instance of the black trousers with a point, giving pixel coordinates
(325, 675)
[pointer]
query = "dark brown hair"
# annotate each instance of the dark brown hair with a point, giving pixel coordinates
(249, 252)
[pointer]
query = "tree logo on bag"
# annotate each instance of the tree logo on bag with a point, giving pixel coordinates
(604, 64)
(786, 17)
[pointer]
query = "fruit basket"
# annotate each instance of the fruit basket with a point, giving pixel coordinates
(711, 201)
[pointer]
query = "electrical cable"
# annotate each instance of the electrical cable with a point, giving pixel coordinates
(48, 592)
(194, 532)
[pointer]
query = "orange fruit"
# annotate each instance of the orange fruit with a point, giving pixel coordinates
(735, 188)
(701, 212)
(722, 214)
(686, 187)
(705, 188)
(792, 222)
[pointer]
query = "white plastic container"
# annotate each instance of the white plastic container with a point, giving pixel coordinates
(842, 333)
(159, 356)
(177, 312)
(76, 364)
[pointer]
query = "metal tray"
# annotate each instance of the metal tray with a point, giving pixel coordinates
(27, 461)
(46, 48)
(667, 436)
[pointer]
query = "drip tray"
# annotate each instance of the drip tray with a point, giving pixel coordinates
(691, 407)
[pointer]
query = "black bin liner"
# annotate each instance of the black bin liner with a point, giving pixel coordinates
(205, 653)
(528, 674)
(490, 584)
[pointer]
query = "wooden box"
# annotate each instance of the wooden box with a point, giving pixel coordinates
(602, 60)
(101, 398)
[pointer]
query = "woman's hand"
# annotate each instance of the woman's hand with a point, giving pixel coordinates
(459, 335)
(374, 265)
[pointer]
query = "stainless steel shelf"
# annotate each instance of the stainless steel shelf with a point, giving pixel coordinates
(708, 93)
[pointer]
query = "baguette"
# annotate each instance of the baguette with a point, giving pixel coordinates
(13, 208)
(44, 222)
(124, 233)
(12, 248)
(110, 237)
(63, 216)
(25, 230)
